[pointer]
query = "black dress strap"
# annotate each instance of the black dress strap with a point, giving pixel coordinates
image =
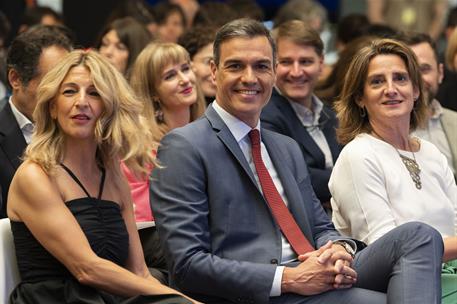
(102, 182)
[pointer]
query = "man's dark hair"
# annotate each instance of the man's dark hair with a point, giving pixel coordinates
(351, 27)
(381, 31)
(214, 14)
(452, 18)
(242, 28)
(197, 38)
(299, 33)
(25, 50)
(413, 38)
(33, 16)
(247, 9)
(164, 9)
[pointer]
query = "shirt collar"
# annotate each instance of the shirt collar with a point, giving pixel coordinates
(307, 116)
(21, 119)
(238, 128)
(437, 109)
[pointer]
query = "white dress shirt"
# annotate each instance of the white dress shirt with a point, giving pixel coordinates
(240, 132)
(24, 123)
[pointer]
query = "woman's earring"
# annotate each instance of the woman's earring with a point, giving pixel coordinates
(158, 113)
(362, 111)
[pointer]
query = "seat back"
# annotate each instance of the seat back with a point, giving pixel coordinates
(9, 274)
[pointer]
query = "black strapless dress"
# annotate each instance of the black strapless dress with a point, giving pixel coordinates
(45, 280)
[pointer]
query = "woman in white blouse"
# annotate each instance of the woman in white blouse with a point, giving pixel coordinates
(384, 177)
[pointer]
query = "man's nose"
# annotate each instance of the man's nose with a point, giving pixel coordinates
(249, 76)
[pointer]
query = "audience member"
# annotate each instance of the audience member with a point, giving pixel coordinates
(308, 11)
(441, 126)
(214, 14)
(171, 21)
(224, 243)
(39, 15)
(350, 28)
(121, 41)
(5, 28)
(199, 43)
(381, 31)
(247, 9)
(190, 8)
(447, 92)
(425, 16)
(30, 56)
(295, 111)
(451, 53)
(163, 79)
(329, 89)
(86, 119)
(139, 10)
(385, 177)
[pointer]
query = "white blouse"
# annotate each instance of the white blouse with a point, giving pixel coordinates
(372, 191)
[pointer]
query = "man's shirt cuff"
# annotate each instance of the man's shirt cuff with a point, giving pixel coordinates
(276, 286)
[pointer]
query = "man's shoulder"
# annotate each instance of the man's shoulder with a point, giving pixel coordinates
(3, 102)
(449, 120)
(199, 125)
(449, 112)
(272, 107)
(7, 120)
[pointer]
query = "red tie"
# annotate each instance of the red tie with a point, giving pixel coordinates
(277, 206)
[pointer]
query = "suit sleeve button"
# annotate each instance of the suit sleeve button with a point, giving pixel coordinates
(274, 261)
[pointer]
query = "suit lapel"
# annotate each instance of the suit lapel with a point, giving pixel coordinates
(287, 179)
(224, 134)
(329, 133)
(12, 141)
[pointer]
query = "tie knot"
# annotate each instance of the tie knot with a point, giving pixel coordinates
(254, 136)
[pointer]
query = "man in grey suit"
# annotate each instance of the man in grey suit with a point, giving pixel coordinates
(216, 205)
(441, 127)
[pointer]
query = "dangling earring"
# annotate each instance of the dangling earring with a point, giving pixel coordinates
(362, 111)
(158, 113)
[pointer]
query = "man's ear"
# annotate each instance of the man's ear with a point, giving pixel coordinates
(14, 79)
(213, 68)
(440, 73)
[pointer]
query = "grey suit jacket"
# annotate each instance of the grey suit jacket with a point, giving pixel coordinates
(221, 241)
(12, 145)
(449, 123)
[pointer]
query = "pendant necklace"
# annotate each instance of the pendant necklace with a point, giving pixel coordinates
(411, 164)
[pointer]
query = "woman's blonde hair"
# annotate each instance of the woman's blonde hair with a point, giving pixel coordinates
(351, 122)
(119, 131)
(145, 77)
(451, 51)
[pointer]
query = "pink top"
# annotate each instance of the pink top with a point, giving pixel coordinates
(140, 194)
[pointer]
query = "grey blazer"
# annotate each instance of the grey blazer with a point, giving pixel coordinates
(217, 231)
(449, 123)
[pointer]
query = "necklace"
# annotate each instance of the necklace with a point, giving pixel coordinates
(411, 164)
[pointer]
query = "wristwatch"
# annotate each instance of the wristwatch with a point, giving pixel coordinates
(346, 247)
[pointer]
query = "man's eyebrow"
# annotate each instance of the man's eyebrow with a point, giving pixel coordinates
(230, 61)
